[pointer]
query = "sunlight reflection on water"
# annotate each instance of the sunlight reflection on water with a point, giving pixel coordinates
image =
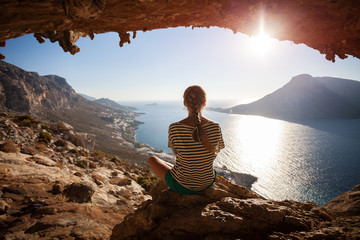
(307, 161)
(290, 160)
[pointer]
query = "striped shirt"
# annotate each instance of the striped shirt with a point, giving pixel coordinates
(194, 164)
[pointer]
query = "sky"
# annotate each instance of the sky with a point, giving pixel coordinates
(160, 64)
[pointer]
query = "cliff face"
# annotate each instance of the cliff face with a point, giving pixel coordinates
(228, 211)
(332, 27)
(28, 92)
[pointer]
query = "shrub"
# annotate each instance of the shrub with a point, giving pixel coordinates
(74, 151)
(117, 161)
(114, 174)
(120, 181)
(61, 143)
(124, 181)
(29, 150)
(46, 127)
(98, 155)
(45, 137)
(9, 146)
(26, 120)
(147, 182)
(84, 153)
(82, 164)
(41, 146)
(92, 165)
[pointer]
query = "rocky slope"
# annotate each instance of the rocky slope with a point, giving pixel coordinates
(307, 97)
(110, 103)
(51, 99)
(228, 211)
(29, 92)
(51, 187)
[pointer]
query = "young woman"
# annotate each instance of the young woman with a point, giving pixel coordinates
(195, 141)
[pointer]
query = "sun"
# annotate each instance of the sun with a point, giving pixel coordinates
(262, 43)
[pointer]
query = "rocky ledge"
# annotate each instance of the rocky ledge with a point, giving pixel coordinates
(229, 211)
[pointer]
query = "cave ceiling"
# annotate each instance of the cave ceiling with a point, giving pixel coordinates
(330, 26)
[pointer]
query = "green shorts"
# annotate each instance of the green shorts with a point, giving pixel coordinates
(177, 187)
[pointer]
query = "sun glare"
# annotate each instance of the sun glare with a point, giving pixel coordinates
(261, 43)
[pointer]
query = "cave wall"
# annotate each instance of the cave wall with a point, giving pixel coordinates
(330, 26)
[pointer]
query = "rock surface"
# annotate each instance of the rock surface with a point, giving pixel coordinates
(61, 191)
(332, 27)
(228, 211)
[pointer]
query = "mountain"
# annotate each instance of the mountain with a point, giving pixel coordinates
(29, 92)
(307, 97)
(87, 97)
(110, 103)
(51, 99)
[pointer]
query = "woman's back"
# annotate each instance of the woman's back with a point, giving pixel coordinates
(194, 163)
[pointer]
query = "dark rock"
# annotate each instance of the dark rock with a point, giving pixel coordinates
(39, 226)
(32, 207)
(57, 188)
(78, 192)
(225, 210)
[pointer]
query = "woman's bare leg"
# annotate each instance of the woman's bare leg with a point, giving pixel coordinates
(159, 167)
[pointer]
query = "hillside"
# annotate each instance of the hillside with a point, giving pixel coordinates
(51, 99)
(307, 97)
(28, 92)
(87, 97)
(51, 188)
(110, 103)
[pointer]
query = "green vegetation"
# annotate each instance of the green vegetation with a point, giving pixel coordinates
(117, 161)
(82, 164)
(26, 120)
(124, 181)
(46, 127)
(45, 137)
(74, 151)
(147, 181)
(98, 155)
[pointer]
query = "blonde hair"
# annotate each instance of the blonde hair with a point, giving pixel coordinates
(194, 99)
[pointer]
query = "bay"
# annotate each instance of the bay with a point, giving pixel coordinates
(304, 161)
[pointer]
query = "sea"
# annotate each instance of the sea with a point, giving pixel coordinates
(314, 160)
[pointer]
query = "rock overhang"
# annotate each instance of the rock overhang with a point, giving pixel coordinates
(330, 26)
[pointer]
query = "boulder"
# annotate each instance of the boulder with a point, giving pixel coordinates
(225, 211)
(346, 204)
(78, 192)
(64, 127)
